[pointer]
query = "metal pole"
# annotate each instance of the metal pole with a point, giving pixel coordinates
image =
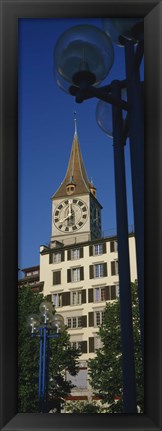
(44, 368)
(136, 133)
(40, 373)
(128, 365)
(47, 369)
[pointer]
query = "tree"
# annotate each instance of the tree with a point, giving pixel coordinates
(62, 357)
(105, 370)
(83, 407)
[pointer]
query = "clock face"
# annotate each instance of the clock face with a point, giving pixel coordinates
(70, 215)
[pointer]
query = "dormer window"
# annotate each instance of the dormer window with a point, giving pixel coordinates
(92, 188)
(70, 189)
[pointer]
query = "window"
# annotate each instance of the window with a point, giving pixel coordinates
(99, 294)
(111, 292)
(80, 380)
(74, 322)
(56, 277)
(69, 322)
(57, 299)
(99, 317)
(77, 345)
(28, 274)
(75, 274)
(114, 267)
(98, 270)
(75, 253)
(97, 343)
(76, 297)
(117, 290)
(98, 249)
(113, 246)
(56, 257)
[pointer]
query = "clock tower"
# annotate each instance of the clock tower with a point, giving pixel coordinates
(76, 212)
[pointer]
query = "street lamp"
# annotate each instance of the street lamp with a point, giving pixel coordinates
(85, 67)
(46, 326)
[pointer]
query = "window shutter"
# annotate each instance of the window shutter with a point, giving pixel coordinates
(91, 318)
(91, 344)
(105, 269)
(81, 273)
(107, 293)
(91, 250)
(50, 257)
(104, 247)
(81, 252)
(112, 268)
(84, 321)
(84, 296)
(112, 247)
(84, 346)
(62, 256)
(69, 255)
(65, 299)
(56, 277)
(69, 275)
(49, 298)
(90, 295)
(91, 271)
(113, 292)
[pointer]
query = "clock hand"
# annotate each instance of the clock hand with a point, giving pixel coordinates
(65, 218)
(70, 205)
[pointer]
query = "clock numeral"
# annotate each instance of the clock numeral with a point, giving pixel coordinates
(80, 203)
(80, 223)
(84, 209)
(74, 227)
(84, 215)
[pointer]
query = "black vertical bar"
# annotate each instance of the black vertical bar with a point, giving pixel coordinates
(128, 364)
(136, 134)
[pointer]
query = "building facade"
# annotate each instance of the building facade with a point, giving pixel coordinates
(79, 268)
(32, 279)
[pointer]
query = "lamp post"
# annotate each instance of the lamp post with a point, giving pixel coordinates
(46, 326)
(83, 58)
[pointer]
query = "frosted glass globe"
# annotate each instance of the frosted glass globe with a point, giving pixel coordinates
(33, 322)
(83, 48)
(45, 306)
(117, 27)
(104, 114)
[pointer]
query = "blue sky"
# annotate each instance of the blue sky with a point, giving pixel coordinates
(46, 129)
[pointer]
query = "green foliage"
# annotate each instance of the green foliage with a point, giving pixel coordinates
(62, 357)
(106, 368)
(83, 407)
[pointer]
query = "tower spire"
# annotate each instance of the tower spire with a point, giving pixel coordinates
(75, 123)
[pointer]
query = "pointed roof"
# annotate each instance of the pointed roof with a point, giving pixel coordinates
(76, 173)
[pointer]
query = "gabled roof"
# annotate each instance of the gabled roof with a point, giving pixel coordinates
(76, 173)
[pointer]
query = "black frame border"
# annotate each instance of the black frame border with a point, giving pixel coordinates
(10, 11)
